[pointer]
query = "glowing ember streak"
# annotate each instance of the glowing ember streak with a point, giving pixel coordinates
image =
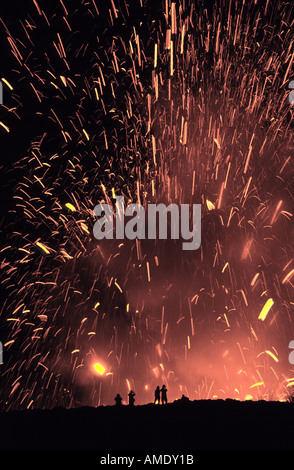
(4, 126)
(86, 134)
(7, 83)
(70, 206)
(43, 317)
(266, 308)
(270, 354)
(43, 247)
(276, 212)
(210, 205)
(257, 384)
(288, 277)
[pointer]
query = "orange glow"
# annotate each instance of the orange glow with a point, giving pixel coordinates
(156, 372)
(248, 397)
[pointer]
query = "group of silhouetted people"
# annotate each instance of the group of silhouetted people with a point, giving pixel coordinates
(163, 392)
(131, 395)
(157, 398)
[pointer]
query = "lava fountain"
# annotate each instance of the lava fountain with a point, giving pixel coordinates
(181, 103)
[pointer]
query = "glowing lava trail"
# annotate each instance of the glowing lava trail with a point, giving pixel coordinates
(175, 103)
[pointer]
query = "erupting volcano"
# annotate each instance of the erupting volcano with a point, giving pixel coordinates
(181, 102)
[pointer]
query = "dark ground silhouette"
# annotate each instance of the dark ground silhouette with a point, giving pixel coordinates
(192, 425)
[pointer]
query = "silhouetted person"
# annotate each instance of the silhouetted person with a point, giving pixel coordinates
(163, 394)
(118, 400)
(184, 399)
(131, 398)
(157, 395)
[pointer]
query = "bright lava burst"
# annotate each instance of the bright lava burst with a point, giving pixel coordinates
(159, 102)
(99, 368)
